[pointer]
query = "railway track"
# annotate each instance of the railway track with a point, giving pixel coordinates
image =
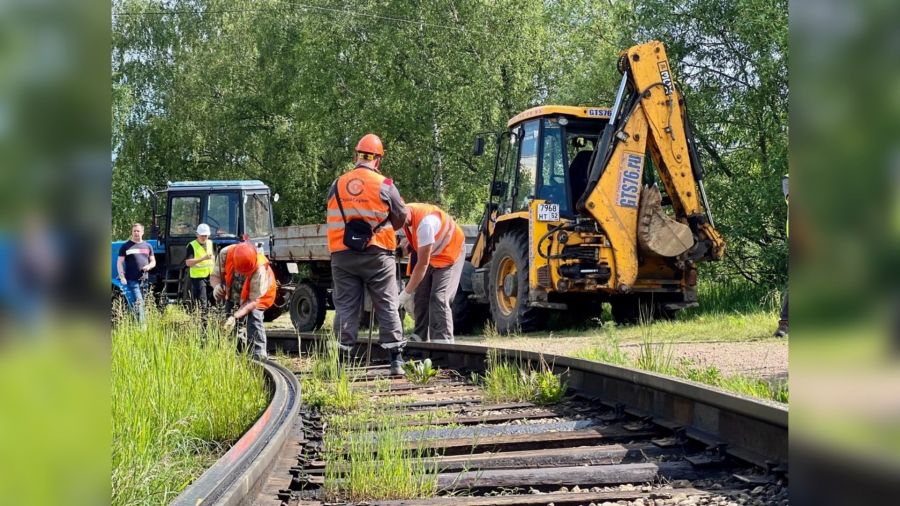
(619, 436)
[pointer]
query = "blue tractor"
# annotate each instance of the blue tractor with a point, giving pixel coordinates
(232, 209)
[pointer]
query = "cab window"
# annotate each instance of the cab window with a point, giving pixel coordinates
(509, 153)
(527, 170)
(256, 212)
(222, 212)
(553, 173)
(185, 216)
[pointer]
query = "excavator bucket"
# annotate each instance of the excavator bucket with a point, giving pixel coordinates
(657, 233)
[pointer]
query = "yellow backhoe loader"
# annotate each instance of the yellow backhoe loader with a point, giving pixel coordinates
(591, 205)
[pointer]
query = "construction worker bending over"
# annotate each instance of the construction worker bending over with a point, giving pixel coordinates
(244, 279)
(364, 209)
(199, 260)
(440, 251)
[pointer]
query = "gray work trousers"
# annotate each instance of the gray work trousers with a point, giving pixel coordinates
(434, 318)
(354, 272)
(256, 331)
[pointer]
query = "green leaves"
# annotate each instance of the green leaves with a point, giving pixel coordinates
(214, 89)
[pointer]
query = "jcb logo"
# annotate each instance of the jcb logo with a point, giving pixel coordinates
(665, 76)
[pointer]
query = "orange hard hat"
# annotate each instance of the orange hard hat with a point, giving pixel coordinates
(370, 143)
(244, 258)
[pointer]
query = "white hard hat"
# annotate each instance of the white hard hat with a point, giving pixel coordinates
(203, 229)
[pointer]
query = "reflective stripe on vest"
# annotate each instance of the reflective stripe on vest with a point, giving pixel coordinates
(204, 268)
(449, 240)
(360, 191)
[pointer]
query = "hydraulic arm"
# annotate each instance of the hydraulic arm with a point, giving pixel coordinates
(649, 117)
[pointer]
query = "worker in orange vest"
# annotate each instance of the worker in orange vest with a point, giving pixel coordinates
(244, 279)
(364, 209)
(440, 251)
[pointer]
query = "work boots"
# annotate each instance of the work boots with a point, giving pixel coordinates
(396, 364)
(782, 330)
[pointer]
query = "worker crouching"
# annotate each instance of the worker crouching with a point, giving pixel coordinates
(364, 209)
(243, 278)
(439, 247)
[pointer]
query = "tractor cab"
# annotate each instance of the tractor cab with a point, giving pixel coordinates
(232, 209)
(545, 154)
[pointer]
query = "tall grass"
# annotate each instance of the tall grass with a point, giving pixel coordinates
(365, 447)
(659, 358)
(734, 296)
(179, 399)
(506, 380)
(327, 384)
(370, 458)
(653, 356)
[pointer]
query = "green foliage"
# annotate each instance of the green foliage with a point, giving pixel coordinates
(216, 89)
(506, 380)
(606, 350)
(658, 357)
(369, 457)
(730, 58)
(327, 383)
(420, 372)
(179, 398)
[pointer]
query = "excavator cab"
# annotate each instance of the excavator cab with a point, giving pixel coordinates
(545, 154)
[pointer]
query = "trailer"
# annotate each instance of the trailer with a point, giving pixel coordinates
(303, 251)
(242, 210)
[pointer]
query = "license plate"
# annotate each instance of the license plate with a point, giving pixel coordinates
(548, 212)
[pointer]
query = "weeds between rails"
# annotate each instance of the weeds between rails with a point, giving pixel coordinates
(367, 449)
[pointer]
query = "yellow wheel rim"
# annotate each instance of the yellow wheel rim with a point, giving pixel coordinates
(506, 272)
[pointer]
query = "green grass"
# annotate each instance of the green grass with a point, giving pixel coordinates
(369, 458)
(326, 384)
(506, 380)
(734, 297)
(658, 357)
(420, 372)
(365, 446)
(179, 399)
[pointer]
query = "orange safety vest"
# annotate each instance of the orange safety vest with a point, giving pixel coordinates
(448, 242)
(268, 298)
(360, 191)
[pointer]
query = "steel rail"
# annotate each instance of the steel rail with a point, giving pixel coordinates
(235, 478)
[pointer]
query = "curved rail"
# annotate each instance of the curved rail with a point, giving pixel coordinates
(750, 429)
(234, 477)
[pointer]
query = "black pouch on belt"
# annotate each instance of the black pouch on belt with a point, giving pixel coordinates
(357, 231)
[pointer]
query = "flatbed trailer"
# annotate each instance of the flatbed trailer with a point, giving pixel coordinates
(302, 252)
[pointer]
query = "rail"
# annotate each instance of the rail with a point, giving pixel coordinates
(235, 477)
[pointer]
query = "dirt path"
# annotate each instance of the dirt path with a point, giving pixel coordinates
(766, 359)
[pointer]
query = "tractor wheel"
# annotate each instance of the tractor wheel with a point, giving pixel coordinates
(307, 307)
(626, 309)
(631, 310)
(508, 286)
(273, 313)
(467, 314)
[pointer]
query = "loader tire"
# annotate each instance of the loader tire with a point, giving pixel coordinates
(508, 286)
(468, 316)
(307, 307)
(631, 310)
